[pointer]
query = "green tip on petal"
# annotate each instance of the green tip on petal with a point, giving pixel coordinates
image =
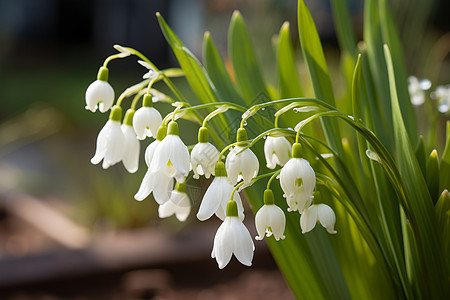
(297, 150)
(268, 197)
(173, 128)
(116, 113)
(162, 132)
(203, 135)
(241, 135)
(103, 74)
(180, 187)
(128, 119)
(232, 210)
(147, 101)
(220, 169)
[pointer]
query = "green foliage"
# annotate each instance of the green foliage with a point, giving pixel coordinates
(390, 242)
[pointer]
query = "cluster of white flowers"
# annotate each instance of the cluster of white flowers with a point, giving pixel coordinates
(417, 89)
(169, 163)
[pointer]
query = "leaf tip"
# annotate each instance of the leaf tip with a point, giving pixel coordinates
(285, 25)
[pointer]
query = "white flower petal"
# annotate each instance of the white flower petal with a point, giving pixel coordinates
(243, 243)
(101, 92)
(132, 148)
(245, 163)
(203, 159)
(308, 219)
(146, 187)
(326, 217)
(212, 199)
(101, 143)
(223, 244)
(150, 151)
(163, 187)
(146, 122)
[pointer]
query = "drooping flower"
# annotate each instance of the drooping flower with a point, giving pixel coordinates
(100, 93)
(298, 180)
(243, 165)
(232, 237)
(159, 183)
(147, 119)
(417, 89)
(204, 155)
(217, 196)
(132, 146)
(277, 151)
(442, 95)
(171, 155)
(270, 219)
(318, 212)
(178, 204)
(110, 141)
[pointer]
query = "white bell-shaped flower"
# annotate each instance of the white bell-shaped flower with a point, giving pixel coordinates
(298, 180)
(171, 155)
(132, 146)
(204, 155)
(416, 89)
(442, 95)
(147, 119)
(217, 196)
(270, 219)
(243, 165)
(277, 151)
(159, 183)
(178, 204)
(110, 141)
(100, 93)
(318, 212)
(232, 237)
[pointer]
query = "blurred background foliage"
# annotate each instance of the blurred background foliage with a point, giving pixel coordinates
(51, 50)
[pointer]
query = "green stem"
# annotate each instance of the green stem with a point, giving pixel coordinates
(131, 90)
(226, 148)
(112, 57)
(254, 180)
(137, 97)
(272, 178)
(166, 79)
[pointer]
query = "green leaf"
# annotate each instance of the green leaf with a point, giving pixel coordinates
(344, 29)
(444, 170)
(246, 68)
(195, 74)
(443, 220)
(225, 87)
(417, 202)
(421, 155)
(432, 175)
(391, 38)
(318, 70)
(377, 69)
(289, 81)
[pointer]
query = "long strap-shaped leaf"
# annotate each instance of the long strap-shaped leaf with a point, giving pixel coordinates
(289, 81)
(344, 30)
(245, 66)
(318, 71)
(421, 211)
(226, 89)
(195, 74)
